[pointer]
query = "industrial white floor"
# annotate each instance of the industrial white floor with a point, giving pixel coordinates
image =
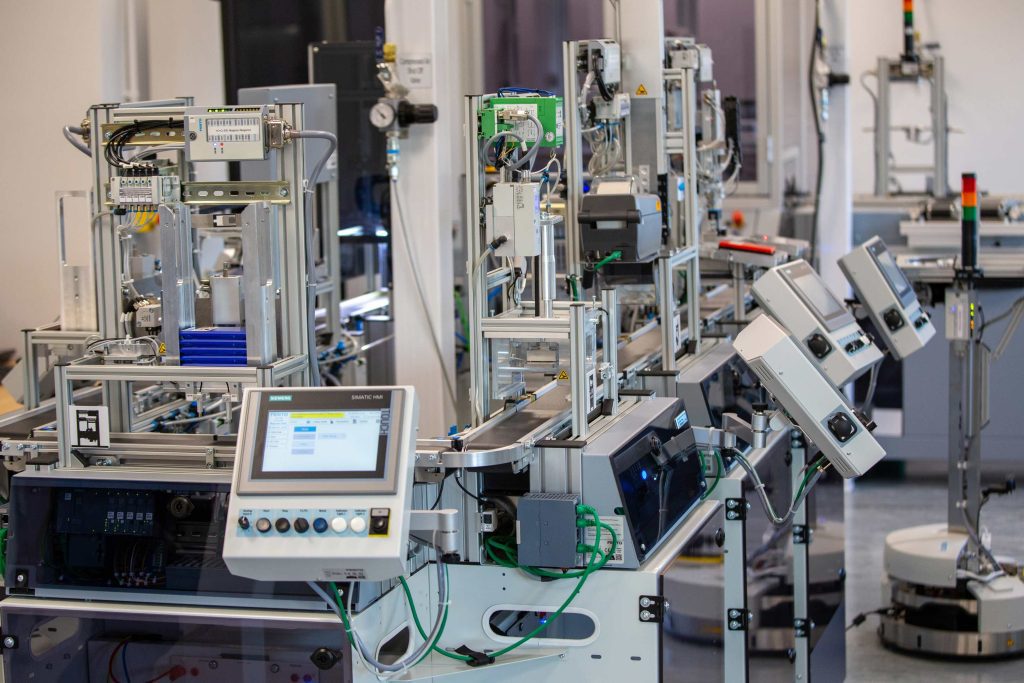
(872, 510)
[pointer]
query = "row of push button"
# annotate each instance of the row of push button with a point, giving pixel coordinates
(301, 525)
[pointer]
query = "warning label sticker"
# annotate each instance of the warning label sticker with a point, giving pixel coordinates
(563, 375)
(641, 90)
(617, 522)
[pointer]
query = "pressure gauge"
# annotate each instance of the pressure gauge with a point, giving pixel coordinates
(382, 115)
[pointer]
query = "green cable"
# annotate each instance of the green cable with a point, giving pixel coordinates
(565, 604)
(419, 625)
(807, 477)
(344, 614)
(614, 256)
(3, 552)
(582, 576)
(572, 285)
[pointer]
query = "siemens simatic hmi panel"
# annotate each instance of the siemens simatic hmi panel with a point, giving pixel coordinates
(798, 299)
(322, 484)
(888, 297)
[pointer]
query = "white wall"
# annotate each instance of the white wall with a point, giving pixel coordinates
(983, 53)
(58, 58)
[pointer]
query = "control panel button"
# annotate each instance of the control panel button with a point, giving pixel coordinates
(301, 525)
(243, 522)
(358, 524)
(319, 525)
(842, 427)
(818, 345)
(893, 319)
(338, 524)
(282, 525)
(379, 518)
(263, 525)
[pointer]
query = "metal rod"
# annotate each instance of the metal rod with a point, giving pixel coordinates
(545, 275)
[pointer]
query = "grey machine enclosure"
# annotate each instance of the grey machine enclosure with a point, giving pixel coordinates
(319, 112)
(628, 223)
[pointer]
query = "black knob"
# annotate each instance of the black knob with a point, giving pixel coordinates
(841, 426)
(301, 525)
(409, 113)
(893, 319)
(324, 658)
(263, 525)
(243, 522)
(282, 525)
(818, 345)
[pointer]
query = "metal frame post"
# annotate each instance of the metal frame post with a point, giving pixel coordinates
(667, 308)
(882, 123)
(573, 160)
(940, 128)
(610, 341)
(801, 565)
(735, 611)
(476, 287)
(577, 368)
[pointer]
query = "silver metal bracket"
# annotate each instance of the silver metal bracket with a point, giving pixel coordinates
(735, 509)
(438, 528)
(738, 619)
(651, 609)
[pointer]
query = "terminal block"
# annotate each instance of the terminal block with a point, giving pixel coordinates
(144, 190)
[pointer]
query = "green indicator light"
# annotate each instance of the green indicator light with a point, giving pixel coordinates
(970, 213)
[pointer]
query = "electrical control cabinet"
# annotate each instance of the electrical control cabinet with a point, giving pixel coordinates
(125, 534)
(322, 484)
(888, 297)
(796, 296)
(802, 391)
(226, 133)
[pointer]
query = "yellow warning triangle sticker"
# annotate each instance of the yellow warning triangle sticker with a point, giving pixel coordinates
(641, 90)
(562, 375)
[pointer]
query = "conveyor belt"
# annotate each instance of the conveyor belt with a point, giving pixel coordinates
(529, 418)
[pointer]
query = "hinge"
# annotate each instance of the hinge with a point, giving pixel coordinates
(801, 628)
(735, 509)
(801, 534)
(651, 608)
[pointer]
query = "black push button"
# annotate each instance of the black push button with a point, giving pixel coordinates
(818, 345)
(893, 319)
(301, 525)
(282, 525)
(379, 518)
(842, 427)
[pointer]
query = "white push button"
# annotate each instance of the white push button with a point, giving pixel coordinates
(339, 524)
(358, 525)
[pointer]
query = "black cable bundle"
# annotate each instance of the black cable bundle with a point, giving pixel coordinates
(113, 152)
